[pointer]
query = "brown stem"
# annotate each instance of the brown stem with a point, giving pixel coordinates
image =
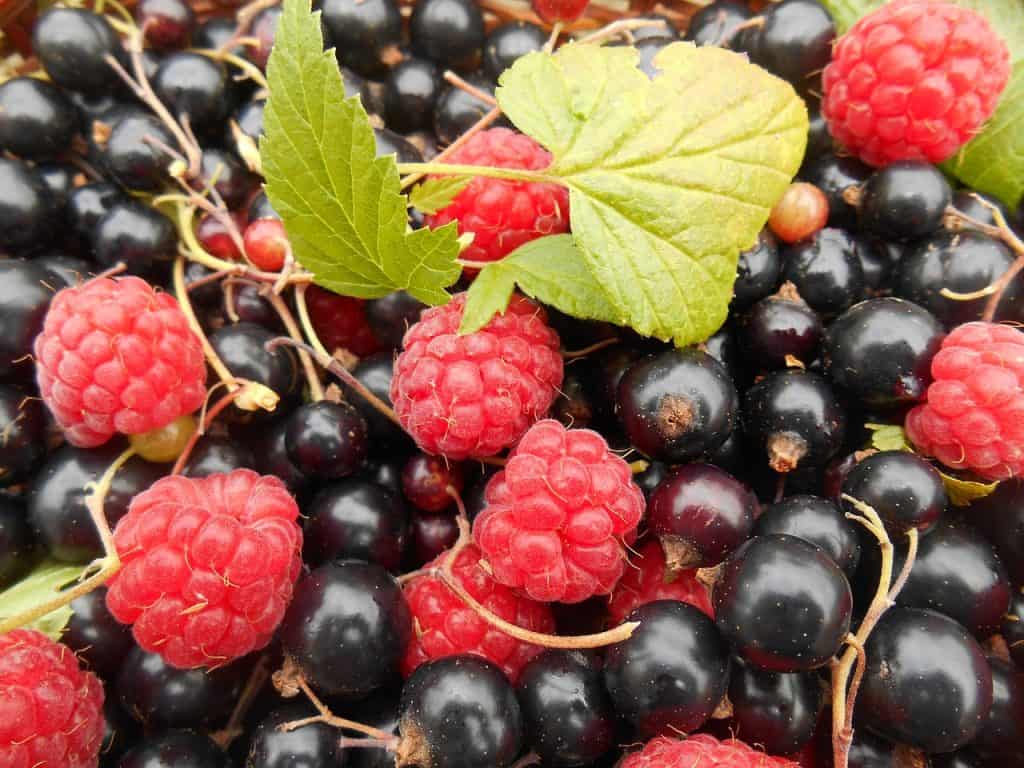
(596, 346)
(316, 389)
(474, 129)
(257, 678)
(181, 292)
(329, 718)
(469, 88)
(616, 28)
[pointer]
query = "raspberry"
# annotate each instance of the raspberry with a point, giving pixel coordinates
(472, 395)
(446, 626)
(973, 417)
(502, 214)
(556, 516)
(701, 751)
(117, 356)
(208, 566)
(51, 711)
(913, 81)
(340, 322)
(644, 582)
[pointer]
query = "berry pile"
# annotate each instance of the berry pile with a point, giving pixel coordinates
(328, 530)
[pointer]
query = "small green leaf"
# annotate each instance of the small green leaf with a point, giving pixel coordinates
(437, 192)
(888, 437)
(963, 492)
(668, 179)
(549, 269)
(341, 205)
(42, 584)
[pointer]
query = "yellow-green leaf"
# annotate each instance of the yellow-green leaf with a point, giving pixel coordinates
(962, 492)
(42, 584)
(888, 437)
(437, 192)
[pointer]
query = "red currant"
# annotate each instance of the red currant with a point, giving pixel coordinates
(801, 211)
(214, 237)
(266, 244)
(552, 11)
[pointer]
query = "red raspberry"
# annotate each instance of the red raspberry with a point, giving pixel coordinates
(446, 626)
(340, 322)
(117, 356)
(701, 751)
(556, 516)
(644, 582)
(973, 417)
(913, 81)
(473, 395)
(51, 711)
(501, 214)
(208, 566)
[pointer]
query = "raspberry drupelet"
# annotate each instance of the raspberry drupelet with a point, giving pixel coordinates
(445, 626)
(208, 566)
(51, 710)
(913, 80)
(472, 395)
(503, 214)
(556, 517)
(973, 417)
(704, 751)
(645, 581)
(115, 356)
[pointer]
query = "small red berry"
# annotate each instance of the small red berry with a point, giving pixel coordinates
(472, 395)
(340, 321)
(208, 566)
(51, 711)
(702, 751)
(117, 356)
(973, 417)
(214, 237)
(913, 80)
(556, 517)
(801, 211)
(551, 11)
(503, 214)
(426, 479)
(645, 581)
(446, 626)
(266, 244)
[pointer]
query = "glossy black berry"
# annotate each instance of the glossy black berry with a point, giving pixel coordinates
(826, 270)
(778, 711)
(1012, 628)
(242, 348)
(819, 140)
(450, 32)
(232, 180)
(194, 87)
(216, 454)
(1001, 739)
(355, 519)
(426, 481)
(510, 41)
(22, 435)
(716, 24)
(904, 201)
(59, 179)
(167, 24)
(1000, 517)
(794, 418)
(833, 174)
(136, 234)
(36, 120)
(390, 143)
(722, 346)
(679, 647)
(904, 489)
(768, 622)
(962, 758)
(960, 262)
(795, 41)
(56, 498)
(568, 715)
(971, 203)
(271, 456)
(700, 514)
(457, 110)
(326, 440)
(779, 330)
(249, 119)
(264, 30)
(72, 44)
(459, 711)
(67, 271)
(130, 150)
(87, 204)
(252, 307)
(28, 210)
(677, 405)
(311, 746)
(175, 749)
(410, 93)
(96, 637)
(758, 270)
(375, 372)
(25, 293)
(260, 208)
(430, 534)
(818, 521)
(391, 316)
(365, 34)
(927, 682)
(347, 627)
(880, 351)
(17, 543)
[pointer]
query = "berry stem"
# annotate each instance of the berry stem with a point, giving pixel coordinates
(595, 347)
(621, 27)
(307, 324)
(329, 718)
(108, 565)
(848, 670)
(236, 723)
(450, 169)
(458, 82)
(244, 18)
(474, 129)
(316, 389)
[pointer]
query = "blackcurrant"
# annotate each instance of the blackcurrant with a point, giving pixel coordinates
(216, 454)
(833, 174)
(260, 208)
(175, 749)
(927, 682)
(457, 110)
(795, 418)
(375, 372)
(671, 674)
(347, 627)
(249, 119)
(430, 534)
(962, 758)
(132, 151)
(904, 489)
(768, 620)
(450, 32)
(271, 456)
(25, 293)
(778, 711)
(95, 636)
(59, 179)
(819, 140)
(904, 201)
(815, 520)
(716, 23)
(224, 172)
(17, 543)
(391, 316)
(700, 514)
(365, 33)
(1000, 517)
(36, 120)
(568, 715)
(264, 30)
(167, 24)
(242, 348)
(326, 440)
(410, 93)
(28, 210)
(757, 274)
(780, 330)
(426, 480)
(1001, 739)
(136, 234)
(390, 143)
(826, 270)
(677, 405)
(311, 746)
(795, 41)
(194, 87)
(970, 202)
(73, 45)
(22, 435)
(722, 346)
(1012, 628)
(509, 42)
(88, 204)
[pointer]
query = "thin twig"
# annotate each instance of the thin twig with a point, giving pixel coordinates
(458, 82)
(480, 125)
(616, 28)
(329, 718)
(234, 728)
(316, 389)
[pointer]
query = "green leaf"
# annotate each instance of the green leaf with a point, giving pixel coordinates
(668, 179)
(341, 205)
(42, 584)
(888, 437)
(549, 269)
(963, 492)
(437, 192)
